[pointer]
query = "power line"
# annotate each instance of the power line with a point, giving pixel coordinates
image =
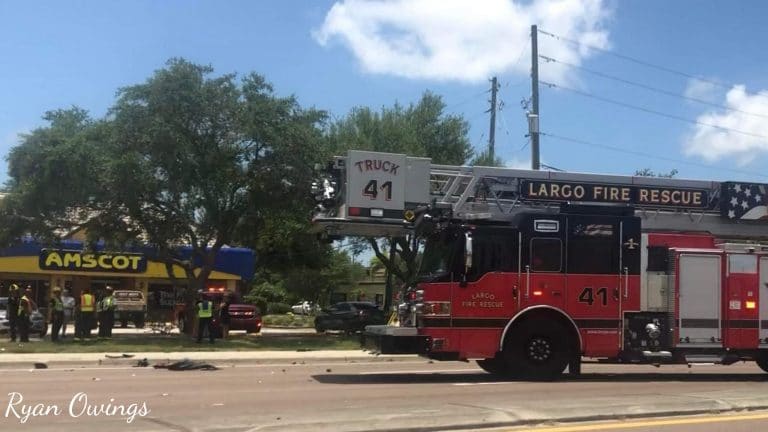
(527, 142)
(651, 111)
(551, 168)
(648, 155)
(647, 87)
(645, 63)
(468, 99)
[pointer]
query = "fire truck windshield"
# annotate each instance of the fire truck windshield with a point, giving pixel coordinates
(439, 256)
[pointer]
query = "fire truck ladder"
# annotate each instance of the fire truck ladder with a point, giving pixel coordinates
(497, 194)
(477, 192)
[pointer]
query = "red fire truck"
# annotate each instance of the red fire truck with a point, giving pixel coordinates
(529, 271)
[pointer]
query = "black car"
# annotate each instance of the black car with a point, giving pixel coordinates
(37, 320)
(349, 317)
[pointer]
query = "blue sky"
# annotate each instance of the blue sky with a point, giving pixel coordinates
(339, 54)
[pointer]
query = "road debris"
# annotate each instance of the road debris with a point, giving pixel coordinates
(117, 356)
(41, 366)
(185, 365)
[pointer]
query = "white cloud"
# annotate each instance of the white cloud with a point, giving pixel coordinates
(461, 40)
(703, 90)
(741, 132)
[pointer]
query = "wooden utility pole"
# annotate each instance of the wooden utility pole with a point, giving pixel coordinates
(534, 114)
(492, 133)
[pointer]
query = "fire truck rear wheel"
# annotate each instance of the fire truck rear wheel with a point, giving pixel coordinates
(537, 350)
(762, 362)
(494, 366)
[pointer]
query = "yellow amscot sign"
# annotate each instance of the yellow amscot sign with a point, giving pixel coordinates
(72, 260)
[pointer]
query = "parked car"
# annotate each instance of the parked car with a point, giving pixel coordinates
(244, 317)
(38, 324)
(241, 316)
(349, 317)
(130, 305)
(304, 308)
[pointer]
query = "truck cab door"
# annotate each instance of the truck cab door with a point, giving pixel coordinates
(542, 270)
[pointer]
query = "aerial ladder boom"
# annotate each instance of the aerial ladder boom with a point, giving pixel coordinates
(371, 194)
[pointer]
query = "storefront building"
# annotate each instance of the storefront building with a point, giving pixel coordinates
(68, 266)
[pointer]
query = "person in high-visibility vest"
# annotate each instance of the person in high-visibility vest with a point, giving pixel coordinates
(24, 312)
(107, 314)
(87, 305)
(56, 308)
(204, 308)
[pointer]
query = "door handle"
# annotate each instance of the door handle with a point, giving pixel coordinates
(527, 281)
(626, 282)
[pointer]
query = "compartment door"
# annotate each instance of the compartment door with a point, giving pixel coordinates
(699, 299)
(762, 299)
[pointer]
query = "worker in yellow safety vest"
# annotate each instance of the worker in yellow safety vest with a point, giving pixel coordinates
(107, 314)
(204, 309)
(24, 312)
(87, 306)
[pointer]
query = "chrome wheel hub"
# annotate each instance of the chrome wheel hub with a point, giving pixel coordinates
(539, 350)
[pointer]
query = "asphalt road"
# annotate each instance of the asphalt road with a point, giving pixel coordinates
(362, 396)
(727, 422)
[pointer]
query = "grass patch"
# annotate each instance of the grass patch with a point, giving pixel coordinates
(171, 343)
(288, 320)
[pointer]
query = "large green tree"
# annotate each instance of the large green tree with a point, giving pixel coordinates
(420, 129)
(185, 158)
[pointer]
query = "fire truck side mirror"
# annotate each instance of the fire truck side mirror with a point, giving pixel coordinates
(467, 252)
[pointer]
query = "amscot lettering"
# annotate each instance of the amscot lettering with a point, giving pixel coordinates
(103, 262)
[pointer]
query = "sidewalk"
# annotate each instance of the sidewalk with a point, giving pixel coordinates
(94, 359)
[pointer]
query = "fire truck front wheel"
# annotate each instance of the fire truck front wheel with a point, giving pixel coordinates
(537, 350)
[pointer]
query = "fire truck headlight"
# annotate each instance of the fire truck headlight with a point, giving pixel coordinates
(419, 295)
(437, 308)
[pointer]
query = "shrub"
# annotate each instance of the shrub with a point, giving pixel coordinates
(278, 308)
(288, 320)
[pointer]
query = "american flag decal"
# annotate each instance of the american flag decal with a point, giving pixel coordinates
(595, 230)
(744, 201)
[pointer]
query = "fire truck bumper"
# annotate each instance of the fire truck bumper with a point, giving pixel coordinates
(385, 339)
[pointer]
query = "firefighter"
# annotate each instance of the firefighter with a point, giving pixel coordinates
(107, 314)
(204, 309)
(13, 311)
(56, 313)
(86, 313)
(24, 313)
